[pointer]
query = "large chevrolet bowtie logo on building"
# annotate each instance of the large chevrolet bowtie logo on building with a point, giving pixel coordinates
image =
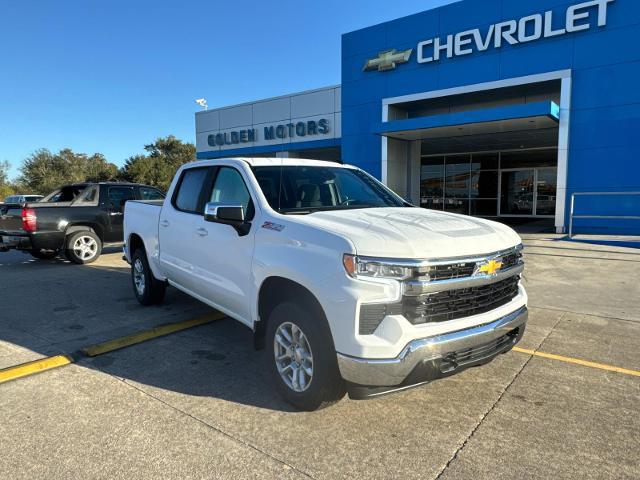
(489, 268)
(387, 60)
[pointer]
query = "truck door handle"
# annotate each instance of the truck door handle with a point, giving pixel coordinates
(202, 232)
(164, 223)
(115, 214)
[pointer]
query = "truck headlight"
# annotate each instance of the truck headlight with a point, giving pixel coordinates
(367, 267)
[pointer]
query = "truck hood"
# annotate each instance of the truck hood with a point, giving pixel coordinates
(414, 232)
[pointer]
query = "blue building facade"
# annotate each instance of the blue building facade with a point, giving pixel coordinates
(496, 108)
(595, 61)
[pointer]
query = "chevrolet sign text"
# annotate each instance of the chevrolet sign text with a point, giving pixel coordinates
(527, 29)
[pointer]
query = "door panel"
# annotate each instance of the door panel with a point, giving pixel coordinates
(116, 198)
(177, 225)
(224, 269)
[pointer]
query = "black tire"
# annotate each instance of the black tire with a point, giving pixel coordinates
(43, 254)
(326, 385)
(152, 290)
(81, 257)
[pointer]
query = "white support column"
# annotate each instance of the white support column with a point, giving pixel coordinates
(563, 153)
(414, 151)
(397, 166)
(385, 148)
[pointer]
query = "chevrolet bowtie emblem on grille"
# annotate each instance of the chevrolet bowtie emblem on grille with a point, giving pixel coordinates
(387, 60)
(490, 268)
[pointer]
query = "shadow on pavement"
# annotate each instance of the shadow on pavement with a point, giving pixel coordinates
(53, 307)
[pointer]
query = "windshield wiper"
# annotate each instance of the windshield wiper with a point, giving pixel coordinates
(295, 211)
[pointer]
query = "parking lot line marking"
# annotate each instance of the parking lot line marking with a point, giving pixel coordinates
(36, 366)
(577, 361)
(145, 335)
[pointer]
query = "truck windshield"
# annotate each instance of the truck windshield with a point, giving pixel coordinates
(297, 189)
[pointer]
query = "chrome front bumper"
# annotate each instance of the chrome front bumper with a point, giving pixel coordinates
(434, 357)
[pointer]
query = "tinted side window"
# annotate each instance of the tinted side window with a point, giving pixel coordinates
(119, 195)
(188, 195)
(147, 193)
(230, 188)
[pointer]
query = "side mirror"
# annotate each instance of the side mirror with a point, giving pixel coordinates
(224, 213)
(227, 214)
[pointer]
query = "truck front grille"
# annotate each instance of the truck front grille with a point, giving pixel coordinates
(450, 271)
(441, 306)
(464, 302)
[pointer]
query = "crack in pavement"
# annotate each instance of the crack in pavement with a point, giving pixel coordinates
(213, 427)
(555, 309)
(493, 406)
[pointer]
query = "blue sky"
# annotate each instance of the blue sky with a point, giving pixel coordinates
(110, 76)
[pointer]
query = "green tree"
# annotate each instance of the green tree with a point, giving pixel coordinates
(6, 187)
(98, 169)
(158, 166)
(43, 171)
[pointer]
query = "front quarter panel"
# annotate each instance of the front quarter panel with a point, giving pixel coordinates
(310, 257)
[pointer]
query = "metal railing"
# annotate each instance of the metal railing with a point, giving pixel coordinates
(572, 215)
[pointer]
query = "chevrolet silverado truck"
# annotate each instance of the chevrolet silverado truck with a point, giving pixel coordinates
(76, 219)
(346, 286)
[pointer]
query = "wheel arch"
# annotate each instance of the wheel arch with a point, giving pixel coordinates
(79, 227)
(135, 242)
(275, 290)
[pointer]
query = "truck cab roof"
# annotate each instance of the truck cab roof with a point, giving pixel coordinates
(274, 161)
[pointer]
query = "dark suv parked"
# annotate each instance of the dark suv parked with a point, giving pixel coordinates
(77, 219)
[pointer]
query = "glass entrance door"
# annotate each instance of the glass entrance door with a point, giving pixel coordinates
(546, 184)
(516, 192)
(528, 192)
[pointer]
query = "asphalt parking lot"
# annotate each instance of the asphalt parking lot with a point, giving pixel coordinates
(199, 404)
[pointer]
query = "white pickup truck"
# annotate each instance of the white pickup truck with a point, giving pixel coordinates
(348, 286)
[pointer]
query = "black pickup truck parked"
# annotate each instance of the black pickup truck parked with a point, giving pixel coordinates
(77, 219)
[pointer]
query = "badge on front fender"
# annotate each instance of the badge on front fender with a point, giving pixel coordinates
(273, 226)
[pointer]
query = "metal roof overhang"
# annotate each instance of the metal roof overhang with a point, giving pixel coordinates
(511, 118)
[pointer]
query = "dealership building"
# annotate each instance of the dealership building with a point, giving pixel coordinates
(495, 108)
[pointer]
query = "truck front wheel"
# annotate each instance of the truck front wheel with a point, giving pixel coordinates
(302, 358)
(147, 288)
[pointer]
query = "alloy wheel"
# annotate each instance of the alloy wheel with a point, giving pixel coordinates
(293, 356)
(85, 247)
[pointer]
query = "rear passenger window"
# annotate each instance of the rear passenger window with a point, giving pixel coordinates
(118, 196)
(188, 195)
(147, 193)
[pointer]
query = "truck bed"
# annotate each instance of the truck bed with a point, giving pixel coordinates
(145, 215)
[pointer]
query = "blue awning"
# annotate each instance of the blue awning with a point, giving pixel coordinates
(541, 114)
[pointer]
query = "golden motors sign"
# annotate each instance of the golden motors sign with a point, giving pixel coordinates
(309, 128)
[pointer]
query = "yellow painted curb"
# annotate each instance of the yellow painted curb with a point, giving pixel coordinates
(143, 336)
(577, 361)
(37, 366)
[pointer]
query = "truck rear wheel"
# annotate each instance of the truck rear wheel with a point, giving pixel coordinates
(302, 359)
(83, 247)
(147, 288)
